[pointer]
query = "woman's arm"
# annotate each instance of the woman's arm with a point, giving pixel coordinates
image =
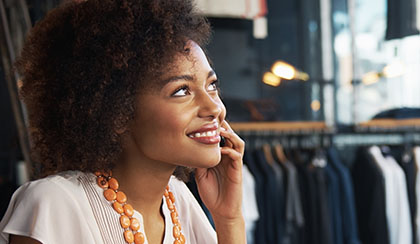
(22, 240)
(220, 189)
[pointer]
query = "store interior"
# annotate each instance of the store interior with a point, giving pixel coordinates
(326, 96)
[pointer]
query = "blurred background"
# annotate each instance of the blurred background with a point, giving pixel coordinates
(312, 83)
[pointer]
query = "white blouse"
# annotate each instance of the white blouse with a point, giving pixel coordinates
(70, 208)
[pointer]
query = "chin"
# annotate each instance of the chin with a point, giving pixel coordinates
(204, 162)
(211, 162)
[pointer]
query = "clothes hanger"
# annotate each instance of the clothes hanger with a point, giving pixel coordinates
(407, 154)
(279, 153)
(267, 154)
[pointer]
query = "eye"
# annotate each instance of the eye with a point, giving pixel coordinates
(214, 85)
(182, 91)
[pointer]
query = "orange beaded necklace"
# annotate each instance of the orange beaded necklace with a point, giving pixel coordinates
(130, 224)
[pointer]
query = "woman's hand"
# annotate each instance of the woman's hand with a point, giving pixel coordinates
(220, 188)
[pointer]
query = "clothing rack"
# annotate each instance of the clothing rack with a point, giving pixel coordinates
(318, 134)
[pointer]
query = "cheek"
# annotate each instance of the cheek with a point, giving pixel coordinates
(162, 129)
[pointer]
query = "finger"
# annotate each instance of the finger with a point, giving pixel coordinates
(234, 139)
(231, 153)
(236, 157)
(226, 125)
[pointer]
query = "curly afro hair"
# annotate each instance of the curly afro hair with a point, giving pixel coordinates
(82, 67)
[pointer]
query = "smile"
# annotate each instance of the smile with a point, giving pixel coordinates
(206, 137)
(210, 133)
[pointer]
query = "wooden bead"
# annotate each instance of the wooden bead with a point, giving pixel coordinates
(170, 205)
(121, 197)
(176, 231)
(139, 238)
(113, 184)
(110, 195)
(135, 224)
(172, 197)
(174, 217)
(128, 210)
(118, 207)
(182, 238)
(102, 182)
(129, 236)
(125, 221)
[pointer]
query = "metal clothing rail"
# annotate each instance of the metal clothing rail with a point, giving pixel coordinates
(317, 134)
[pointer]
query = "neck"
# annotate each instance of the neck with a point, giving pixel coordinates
(144, 182)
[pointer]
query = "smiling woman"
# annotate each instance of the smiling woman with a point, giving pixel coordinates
(120, 98)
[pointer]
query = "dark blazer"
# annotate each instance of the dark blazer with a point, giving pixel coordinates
(348, 208)
(369, 189)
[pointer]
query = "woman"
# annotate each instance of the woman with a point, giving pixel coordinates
(120, 97)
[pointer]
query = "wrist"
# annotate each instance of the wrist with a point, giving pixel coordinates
(227, 222)
(230, 230)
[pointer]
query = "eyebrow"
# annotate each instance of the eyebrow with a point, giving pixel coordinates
(184, 77)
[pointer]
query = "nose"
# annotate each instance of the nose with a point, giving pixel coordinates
(210, 106)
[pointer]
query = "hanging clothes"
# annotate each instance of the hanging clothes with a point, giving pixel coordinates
(401, 19)
(308, 198)
(369, 190)
(406, 160)
(294, 214)
(249, 204)
(397, 207)
(334, 203)
(260, 226)
(321, 208)
(348, 209)
(280, 178)
(273, 200)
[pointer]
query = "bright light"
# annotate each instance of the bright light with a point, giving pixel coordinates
(288, 72)
(284, 70)
(316, 105)
(393, 70)
(370, 78)
(271, 79)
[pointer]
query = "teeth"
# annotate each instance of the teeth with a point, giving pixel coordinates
(204, 134)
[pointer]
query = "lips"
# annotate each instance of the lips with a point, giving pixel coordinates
(208, 134)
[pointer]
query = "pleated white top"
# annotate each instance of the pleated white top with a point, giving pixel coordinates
(70, 208)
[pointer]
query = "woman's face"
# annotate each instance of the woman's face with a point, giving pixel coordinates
(179, 124)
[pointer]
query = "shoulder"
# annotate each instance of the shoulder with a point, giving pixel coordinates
(48, 192)
(38, 205)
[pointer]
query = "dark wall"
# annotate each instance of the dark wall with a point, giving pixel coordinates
(240, 60)
(9, 147)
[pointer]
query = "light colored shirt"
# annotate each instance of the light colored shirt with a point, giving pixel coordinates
(396, 197)
(249, 204)
(70, 208)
